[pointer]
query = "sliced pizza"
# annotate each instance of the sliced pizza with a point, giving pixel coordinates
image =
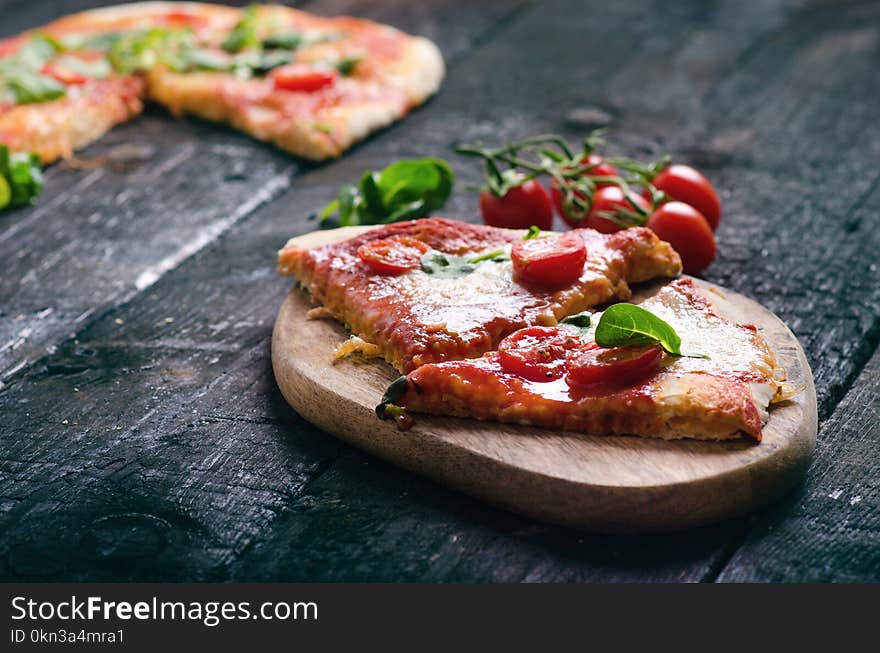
(311, 85)
(559, 378)
(432, 290)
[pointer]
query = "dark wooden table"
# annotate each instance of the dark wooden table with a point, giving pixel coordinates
(142, 436)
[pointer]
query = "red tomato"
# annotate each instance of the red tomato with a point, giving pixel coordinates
(687, 185)
(552, 261)
(62, 74)
(617, 366)
(392, 256)
(519, 208)
(600, 169)
(685, 228)
(303, 77)
(538, 353)
(610, 199)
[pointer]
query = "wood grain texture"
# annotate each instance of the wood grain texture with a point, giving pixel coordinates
(838, 506)
(605, 484)
(773, 100)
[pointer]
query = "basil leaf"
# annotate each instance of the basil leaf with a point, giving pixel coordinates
(143, 50)
(97, 69)
(534, 232)
(29, 88)
(244, 34)
(405, 190)
(450, 265)
(38, 51)
(627, 324)
(580, 320)
(346, 66)
(348, 214)
(286, 41)
(21, 179)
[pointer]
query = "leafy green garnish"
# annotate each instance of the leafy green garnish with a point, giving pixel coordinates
(143, 50)
(393, 393)
(21, 179)
(627, 324)
(579, 320)
(95, 69)
(534, 232)
(29, 88)
(449, 265)
(285, 41)
(407, 189)
(20, 77)
(346, 66)
(244, 34)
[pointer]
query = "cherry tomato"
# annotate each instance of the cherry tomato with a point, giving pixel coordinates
(302, 77)
(553, 261)
(610, 199)
(600, 169)
(685, 228)
(538, 353)
(392, 256)
(687, 185)
(618, 366)
(519, 208)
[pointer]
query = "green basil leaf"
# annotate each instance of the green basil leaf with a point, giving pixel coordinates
(38, 50)
(5, 193)
(244, 34)
(346, 66)
(405, 190)
(534, 232)
(96, 69)
(202, 59)
(627, 324)
(29, 87)
(22, 179)
(404, 182)
(348, 206)
(285, 41)
(580, 320)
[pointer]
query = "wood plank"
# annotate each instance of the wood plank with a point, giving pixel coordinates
(830, 529)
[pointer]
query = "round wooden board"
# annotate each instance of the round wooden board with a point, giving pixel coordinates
(615, 484)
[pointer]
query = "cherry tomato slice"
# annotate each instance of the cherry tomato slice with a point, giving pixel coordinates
(683, 227)
(620, 366)
(553, 261)
(600, 169)
(687, 185)
(302, 77)
(519, 208)
(539, 353)
(392, 256)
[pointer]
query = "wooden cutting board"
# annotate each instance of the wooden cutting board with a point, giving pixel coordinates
(615, 484)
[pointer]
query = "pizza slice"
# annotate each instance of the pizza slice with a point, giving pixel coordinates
(559, 378)
(432, 290)
(311, 85)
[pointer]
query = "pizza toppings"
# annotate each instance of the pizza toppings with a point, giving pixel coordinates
(562, 378)
(539, 353)
(553, 261)
(392, 256)
(619, 366)
(303, 77)
(20, 178)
